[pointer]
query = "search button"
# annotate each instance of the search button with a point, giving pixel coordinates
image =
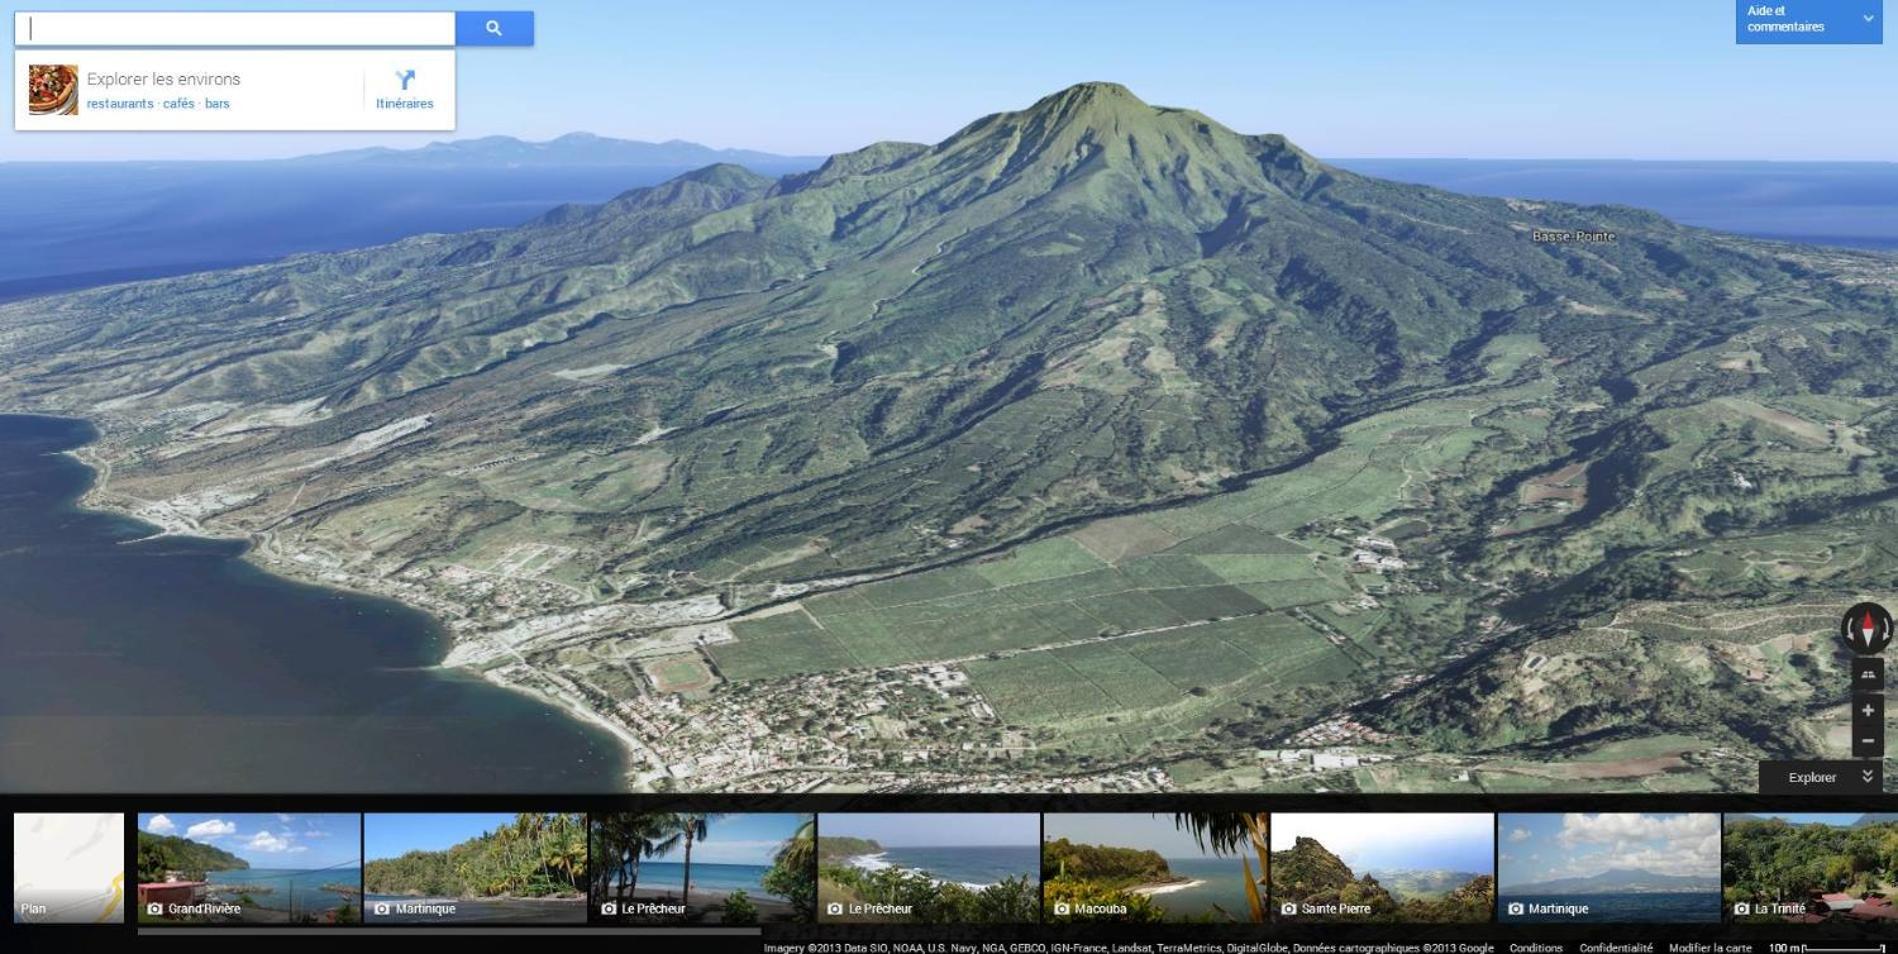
(494, 28)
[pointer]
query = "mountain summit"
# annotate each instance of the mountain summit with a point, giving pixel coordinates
(1108, 120)
(1140, 160)
(1083, 305)
(1171, 439)
(1208, 435)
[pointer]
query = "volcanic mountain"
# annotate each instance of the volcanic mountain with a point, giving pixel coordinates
(734, 388)
(1055, 312)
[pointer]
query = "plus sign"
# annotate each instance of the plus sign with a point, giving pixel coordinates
(1868, 710)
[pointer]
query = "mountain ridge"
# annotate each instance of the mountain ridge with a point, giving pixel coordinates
(1313, 877)
(993, 194)
(729, 395)
(1620, 881)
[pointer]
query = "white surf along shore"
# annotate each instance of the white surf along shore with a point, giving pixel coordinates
(878, 862)
(1167, 887)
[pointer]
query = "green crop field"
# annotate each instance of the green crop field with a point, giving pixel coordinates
(1177, 441)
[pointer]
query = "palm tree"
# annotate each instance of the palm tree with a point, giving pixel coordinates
(566, 851)
(1228, 833)
(693, 827)
(529, 836)
(501, 879)
(793, 873)
(628, 838)
(799, 852)
(616, 842)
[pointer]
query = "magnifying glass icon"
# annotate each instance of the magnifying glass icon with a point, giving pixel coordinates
(493, 27)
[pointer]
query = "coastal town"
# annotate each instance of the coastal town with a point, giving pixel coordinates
(640, 672)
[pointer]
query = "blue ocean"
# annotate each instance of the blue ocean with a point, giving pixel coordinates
(1217, 888)
(1688, 907)
(720, 878)
(976, 866)
(293, 892)
(1822, 203)
(78, 225)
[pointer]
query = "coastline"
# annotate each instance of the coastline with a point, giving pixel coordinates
(495, 899)
(1165, 887)
(876, 863)
(711, 897)
(639, 762)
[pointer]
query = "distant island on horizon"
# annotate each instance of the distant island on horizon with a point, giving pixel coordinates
(1620, 881)
(1019, 434)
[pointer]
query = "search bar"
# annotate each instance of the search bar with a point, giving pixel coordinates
(195, 28)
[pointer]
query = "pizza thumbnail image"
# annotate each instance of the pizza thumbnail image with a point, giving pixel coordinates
(52, 90)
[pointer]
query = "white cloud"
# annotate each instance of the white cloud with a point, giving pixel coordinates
(1519, 834)
(1347, 835)
(267, 842)
(210, 828)
(1664, 844)
(160, 825)
(283, 818)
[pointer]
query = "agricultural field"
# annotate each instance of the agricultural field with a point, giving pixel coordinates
(1097, 445)
(1247, 613)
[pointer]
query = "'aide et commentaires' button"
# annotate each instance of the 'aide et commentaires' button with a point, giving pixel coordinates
(1809, 22)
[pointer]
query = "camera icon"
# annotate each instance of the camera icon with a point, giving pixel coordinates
(609, 909)
(155, 909)
(834, 909)
(1289, 909)
(382, 909)
(1062, 909)
(1515, 909)
(1741, 909)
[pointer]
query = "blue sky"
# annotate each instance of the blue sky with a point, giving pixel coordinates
(1420, 840)
(1124, 830)
(293, 841)
(1476, 78)
(740, 840)
(937, 830)
(1835, 819)
(1543, 847)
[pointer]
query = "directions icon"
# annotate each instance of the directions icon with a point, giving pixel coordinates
(1866, 629)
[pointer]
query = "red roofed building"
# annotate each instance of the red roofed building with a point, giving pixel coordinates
(170, 892)
(1838, 901)
(1874, 909)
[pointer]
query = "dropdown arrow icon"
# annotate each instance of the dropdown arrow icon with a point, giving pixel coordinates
(1868, 773)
